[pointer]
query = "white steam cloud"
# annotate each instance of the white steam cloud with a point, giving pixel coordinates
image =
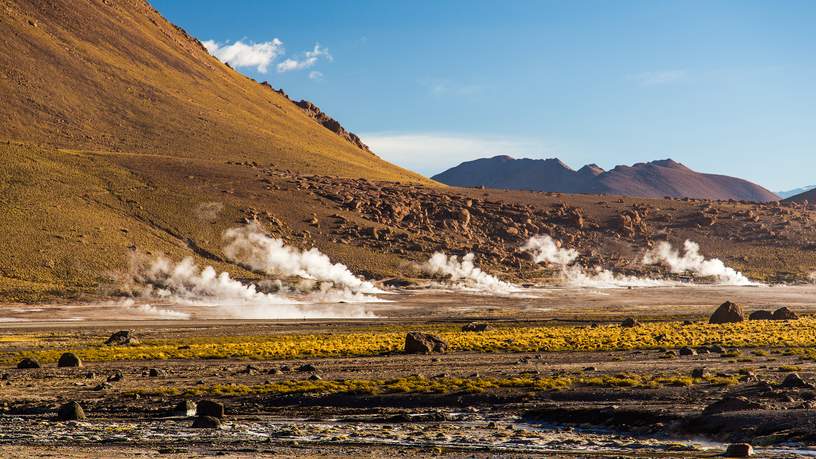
(251, 248)
(298, 281)
(465, 275)
(691, 261)
(547, 250)
(240, 54)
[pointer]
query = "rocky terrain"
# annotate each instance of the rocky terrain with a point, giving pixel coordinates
(655, 179)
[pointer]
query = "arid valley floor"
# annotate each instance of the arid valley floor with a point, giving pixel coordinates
(555, 374)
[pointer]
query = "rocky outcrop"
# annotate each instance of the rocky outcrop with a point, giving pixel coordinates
(331, 124)
(424, 343)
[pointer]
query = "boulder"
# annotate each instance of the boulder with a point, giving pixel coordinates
(629, 322)
(686, 351)
(476, 327)
(739, 450)
(116, 376)
(794, 381)
(210, 408)
(69, 359)
(784, 313)
(122, 338)
(698, 373)
(28, 363)
(71, 411)
(306, 368)
(728, 312)
(155, 372)
(424, 343)
(206, 422)
(185, 408)
(731, 404)
(761, 315)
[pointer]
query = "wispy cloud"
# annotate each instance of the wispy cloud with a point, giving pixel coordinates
(431, 153)
(660, 77)
(446, 86)
(315, 75)
(241, 54)
(310, 58)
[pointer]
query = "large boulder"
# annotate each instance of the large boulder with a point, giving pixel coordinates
(206, 422)
(71, 411)
(629, 322)
(731, 404)
(69, 359)
(728, 312)
(424, 343)
(122, 338)
(784, 313)
(794, 381)
(185, 408)
(210, 408)
(739, 450)
(28, 363)
(476, 327)
(761, 315)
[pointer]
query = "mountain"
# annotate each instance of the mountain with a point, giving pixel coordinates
(809, 195)
(794, 192)
(654, 179)
(118, 130)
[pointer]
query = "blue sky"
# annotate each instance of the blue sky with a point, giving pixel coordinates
(722, 86)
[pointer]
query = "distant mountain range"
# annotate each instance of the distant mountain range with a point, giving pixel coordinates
(794, 192)
(654, 179)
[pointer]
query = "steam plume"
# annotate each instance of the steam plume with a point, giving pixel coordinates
(547, 250)
(693, 262)
(464, 274)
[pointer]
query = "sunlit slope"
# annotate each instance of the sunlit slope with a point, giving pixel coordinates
(116, 76)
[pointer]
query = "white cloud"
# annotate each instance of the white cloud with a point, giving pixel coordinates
(315, 75)
(240, 54)
(432, 153)
(659, 77)
(310, 58)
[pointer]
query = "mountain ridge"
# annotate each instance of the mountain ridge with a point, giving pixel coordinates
(659, 178)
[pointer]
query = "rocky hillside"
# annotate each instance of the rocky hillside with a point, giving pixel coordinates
(653, 179)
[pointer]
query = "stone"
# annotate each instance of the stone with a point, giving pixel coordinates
(122, 338)
(315, 378)
(210, 408)
(185, 408)
(424, 343)
(794, 381)
(731, 404)
(761, 315)
(698, 373)
(306, 368)
(71, 411)
(629, 322)
(784, 313)
(155, 372)
(116, 376)
(728, 312)
(206, 422)
(476, 327)
(69, 359)
(28, 363)
(739, 450)
(686, 351)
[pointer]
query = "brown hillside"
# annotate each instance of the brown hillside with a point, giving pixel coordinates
(116, 76)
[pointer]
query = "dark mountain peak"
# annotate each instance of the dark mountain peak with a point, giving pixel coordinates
(591, 170)
(668, 162)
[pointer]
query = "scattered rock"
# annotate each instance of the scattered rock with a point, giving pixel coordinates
(424, 343)
(155, 372)
(698, 373)
(185, 408)
(730, 403)
(71, 411)
(306, 368)
(69, 359)
(717, 349)
(476, 327)
(629, 322)
(761, 315)
(728, 312)
(794, 381)
(102, 386)
(315, 378)
(784, 313)
(739, 450)
(116, 376)
(122, 338)
(210, 408)
(28, 363)
(686, 351)
(206, 422)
